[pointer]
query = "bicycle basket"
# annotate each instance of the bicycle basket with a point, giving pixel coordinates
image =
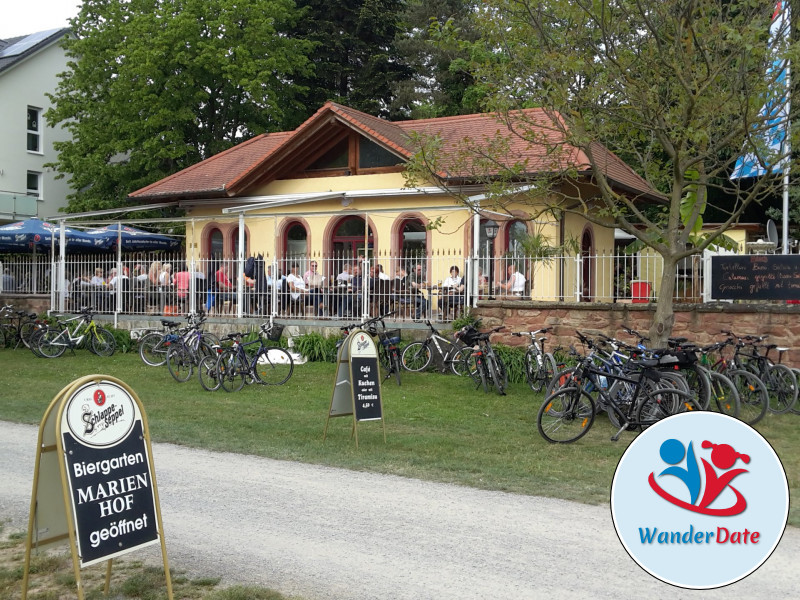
(275, 333)
(389, 336)
(468, 334)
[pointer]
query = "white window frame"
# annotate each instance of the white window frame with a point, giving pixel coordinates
(36, 132)
(38, 191)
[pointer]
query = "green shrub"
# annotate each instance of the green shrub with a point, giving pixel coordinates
(514, 360)
(316, 347)
(122, 337)
(466, 318)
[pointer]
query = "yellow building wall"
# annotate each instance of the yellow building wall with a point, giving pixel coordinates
(449, 243)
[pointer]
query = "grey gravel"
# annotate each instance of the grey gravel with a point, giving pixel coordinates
(326, 533)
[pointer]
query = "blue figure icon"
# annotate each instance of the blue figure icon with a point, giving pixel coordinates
(672, 452)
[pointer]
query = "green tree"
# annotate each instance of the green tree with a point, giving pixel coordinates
(155, 86)
(441, 84)
(673, 86)
(355, 59)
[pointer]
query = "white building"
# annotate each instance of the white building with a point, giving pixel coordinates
(29, 68)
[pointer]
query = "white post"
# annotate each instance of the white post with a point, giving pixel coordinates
(240, 276)
(62, 260)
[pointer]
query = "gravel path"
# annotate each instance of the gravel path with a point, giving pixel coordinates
(324, 533)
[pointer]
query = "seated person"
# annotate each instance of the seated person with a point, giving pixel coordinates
(514, 285)
(452, 292)
(418, 284)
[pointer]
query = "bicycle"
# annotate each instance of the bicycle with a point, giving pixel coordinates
(489, 369)
(388, 351)
(269, 365)
(417, 356)
(779, 379)
(185, 352)
(53, 342)
(540, 366)
(753, 394)
(17, 327)
(568, 413)
(153, 346)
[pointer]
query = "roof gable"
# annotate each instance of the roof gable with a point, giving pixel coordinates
(271, 156)
(15, 50)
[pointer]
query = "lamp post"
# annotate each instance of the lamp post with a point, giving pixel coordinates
(491, 230)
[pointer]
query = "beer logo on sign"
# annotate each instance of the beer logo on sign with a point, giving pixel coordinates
(100, 415)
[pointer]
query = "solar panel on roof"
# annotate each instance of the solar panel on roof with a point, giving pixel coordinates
(26, 43)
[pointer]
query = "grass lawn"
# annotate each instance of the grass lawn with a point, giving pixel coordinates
(438, 427)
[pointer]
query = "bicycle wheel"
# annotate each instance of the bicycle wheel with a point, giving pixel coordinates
(724, 395)
(153, 349)
(274, 366)
(51, 344)
(463, 362)
(34, 342)
(782, 387)
(416, 357)
(207, 372)
(383, 358)
(232, 371)
(497, 371)
(796, 408)
(481, 373)
(102, 342)
(536, 370)
(563, 378)
(699, 384)
(179, 363)
(394, 356)
(661, 403)
(549, 368)
(753, 395)
(565, 416)
(26, 331)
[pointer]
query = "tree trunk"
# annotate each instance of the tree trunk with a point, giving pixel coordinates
(664, 317)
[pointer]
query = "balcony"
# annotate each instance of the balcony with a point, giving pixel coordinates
(16, 206)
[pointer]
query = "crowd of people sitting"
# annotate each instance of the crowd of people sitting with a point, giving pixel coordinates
(340, 290)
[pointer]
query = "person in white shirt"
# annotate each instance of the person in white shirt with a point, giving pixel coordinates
(452, 292)
(515, 284)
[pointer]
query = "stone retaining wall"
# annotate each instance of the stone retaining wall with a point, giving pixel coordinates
(701, 323)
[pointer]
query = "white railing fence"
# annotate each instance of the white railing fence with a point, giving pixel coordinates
(339, 286)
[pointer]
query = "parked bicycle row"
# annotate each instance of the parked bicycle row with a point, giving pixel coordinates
(20, 328)
(636, 386)
(189, 349)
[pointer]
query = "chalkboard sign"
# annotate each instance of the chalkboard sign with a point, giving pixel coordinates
(755, 277)
(366, 388)
(357, 385)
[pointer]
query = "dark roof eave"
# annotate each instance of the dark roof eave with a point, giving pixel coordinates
(188, 195)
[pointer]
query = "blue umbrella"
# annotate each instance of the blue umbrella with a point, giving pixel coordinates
(135, 239)
(26, 236)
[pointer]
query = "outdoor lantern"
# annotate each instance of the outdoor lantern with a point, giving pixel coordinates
(491, 229)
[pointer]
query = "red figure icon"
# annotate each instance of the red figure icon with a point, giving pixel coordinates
(724, 457)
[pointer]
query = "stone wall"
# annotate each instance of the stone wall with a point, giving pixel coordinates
(700, 323)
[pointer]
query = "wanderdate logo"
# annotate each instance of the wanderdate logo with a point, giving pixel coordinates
(699, 500)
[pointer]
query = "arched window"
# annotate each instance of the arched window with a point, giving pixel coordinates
(516, 232)
(216, 245)
(348, 238)
(296, 242)
(413, 239)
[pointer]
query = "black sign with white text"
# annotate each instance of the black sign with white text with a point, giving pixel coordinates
(366, 388)
(755, 277)
(112, 495)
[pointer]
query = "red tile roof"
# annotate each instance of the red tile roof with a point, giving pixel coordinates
(230, 172)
